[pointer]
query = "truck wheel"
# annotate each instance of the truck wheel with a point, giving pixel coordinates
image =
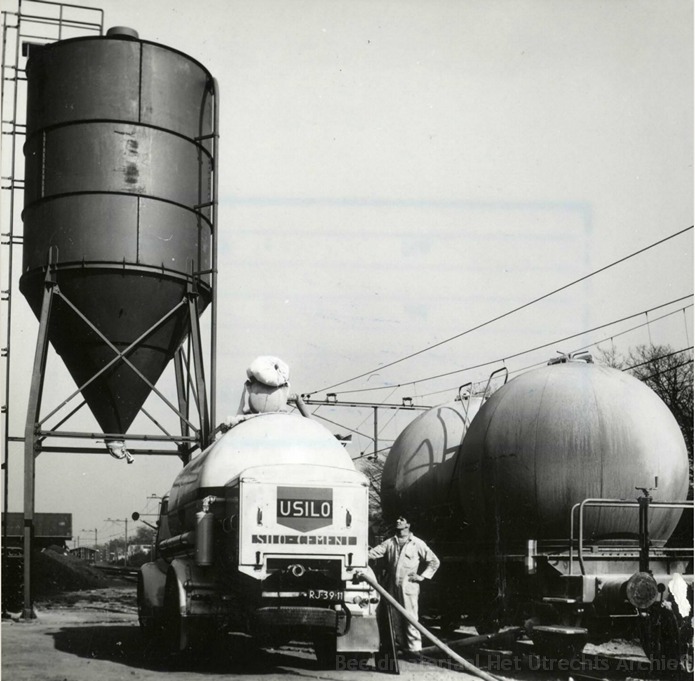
(146, 618)
(325, 649)
(176, 628)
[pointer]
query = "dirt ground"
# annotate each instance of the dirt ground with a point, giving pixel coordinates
(93, 635)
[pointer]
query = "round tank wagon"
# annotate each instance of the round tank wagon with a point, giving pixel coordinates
(555, 508)
(555, 436)
(418, 473)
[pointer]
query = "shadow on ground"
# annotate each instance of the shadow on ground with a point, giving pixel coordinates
(125, 645)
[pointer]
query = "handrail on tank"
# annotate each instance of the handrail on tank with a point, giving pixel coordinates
(61, 20)
(609, 503)
(465, 404)
(489, 380)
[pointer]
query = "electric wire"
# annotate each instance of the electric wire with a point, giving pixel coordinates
(340, 425)
(634, 366)
(584, 347)
(517, 354)
(508, 313)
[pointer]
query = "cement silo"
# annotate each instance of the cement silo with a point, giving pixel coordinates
(119, 237)
(118, 198)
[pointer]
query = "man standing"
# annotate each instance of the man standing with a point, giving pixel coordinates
(405, 554)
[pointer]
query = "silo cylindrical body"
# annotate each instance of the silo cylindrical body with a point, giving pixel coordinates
(417, 479)
(555, 436)
(118, 195)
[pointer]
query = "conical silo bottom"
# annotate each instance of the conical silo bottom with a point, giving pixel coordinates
(123, 307)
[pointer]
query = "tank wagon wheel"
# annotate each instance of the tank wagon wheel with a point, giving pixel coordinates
(559, 642)
(489, 619)
(667, 638)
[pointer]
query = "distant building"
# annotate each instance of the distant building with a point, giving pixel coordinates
(85, 553)
(138, 548)
(50, 529)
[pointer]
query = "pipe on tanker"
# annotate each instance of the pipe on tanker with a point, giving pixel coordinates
(178, 542)
(205, 522)
(470, 668)
(301, 406)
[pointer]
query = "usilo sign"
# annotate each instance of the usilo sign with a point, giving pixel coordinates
(305, 508)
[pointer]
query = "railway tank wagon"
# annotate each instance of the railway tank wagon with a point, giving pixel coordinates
(264, 533)
(566, 487)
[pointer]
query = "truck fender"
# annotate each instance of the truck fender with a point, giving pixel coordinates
(188, 578)
(153, 579)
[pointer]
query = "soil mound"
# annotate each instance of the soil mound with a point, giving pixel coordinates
(52, 573)
(56, 572)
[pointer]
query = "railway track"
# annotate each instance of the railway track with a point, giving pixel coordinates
(128, 573)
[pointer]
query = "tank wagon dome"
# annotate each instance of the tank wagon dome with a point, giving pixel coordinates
(555, 436)
(262, 440)
(418, 470)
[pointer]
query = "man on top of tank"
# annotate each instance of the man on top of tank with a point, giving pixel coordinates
(409, 561)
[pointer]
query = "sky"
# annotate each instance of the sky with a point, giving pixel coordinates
(393, 174)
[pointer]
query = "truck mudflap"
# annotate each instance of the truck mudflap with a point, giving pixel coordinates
(360, 632)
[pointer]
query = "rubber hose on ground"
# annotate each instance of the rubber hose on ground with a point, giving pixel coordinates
(470, 668)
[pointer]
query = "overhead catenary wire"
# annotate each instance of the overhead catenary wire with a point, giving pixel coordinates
(519, 354)
(628, 368)
(583, 347)
(506, 314)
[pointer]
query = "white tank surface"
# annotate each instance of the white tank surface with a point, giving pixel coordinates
(557, 435)
(259, 440)
(417, 476)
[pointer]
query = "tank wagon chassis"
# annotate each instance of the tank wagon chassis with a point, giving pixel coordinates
(567, 596)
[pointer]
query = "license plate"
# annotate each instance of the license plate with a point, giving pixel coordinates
(326, 595)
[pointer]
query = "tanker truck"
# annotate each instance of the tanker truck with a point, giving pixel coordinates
(263, 533)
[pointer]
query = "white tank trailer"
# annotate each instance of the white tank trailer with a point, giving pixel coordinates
(554, 508)
(264, 533)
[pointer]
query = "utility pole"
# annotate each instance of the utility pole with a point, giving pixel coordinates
(332, 401)
(111, 520)
(96, 550)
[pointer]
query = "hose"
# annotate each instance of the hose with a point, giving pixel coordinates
(471, 669)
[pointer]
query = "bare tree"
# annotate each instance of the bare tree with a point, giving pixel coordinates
(373, 467)
(669, 373)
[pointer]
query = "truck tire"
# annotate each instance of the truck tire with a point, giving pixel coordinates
(149, 623)
(325, 650)
(176, 628)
